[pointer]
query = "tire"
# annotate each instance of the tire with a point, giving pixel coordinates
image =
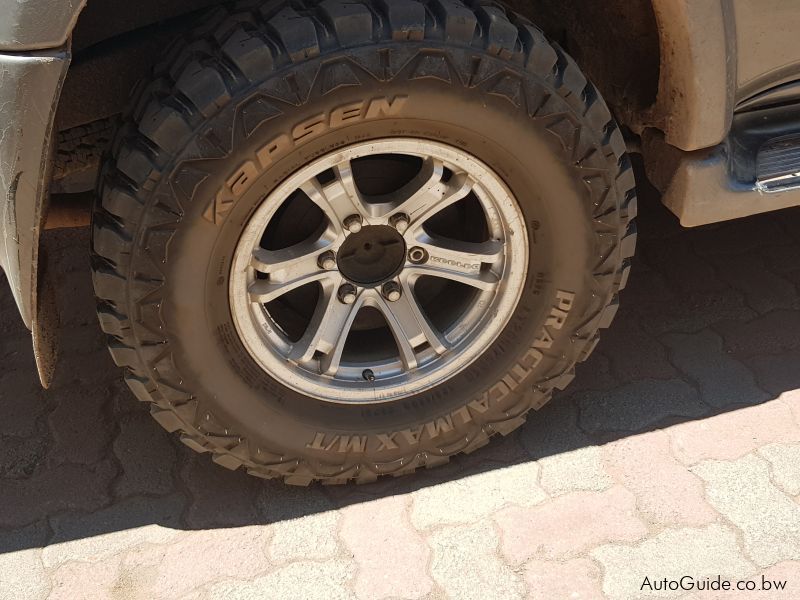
(473, 77)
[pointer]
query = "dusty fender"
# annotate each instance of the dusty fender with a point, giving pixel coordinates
(34, 57)
(29, 89)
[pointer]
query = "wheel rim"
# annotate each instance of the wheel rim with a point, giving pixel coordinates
(402, 268)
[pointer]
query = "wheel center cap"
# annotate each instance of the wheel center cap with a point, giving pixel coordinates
(373, 255)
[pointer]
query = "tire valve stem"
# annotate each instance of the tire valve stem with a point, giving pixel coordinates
(368, 375)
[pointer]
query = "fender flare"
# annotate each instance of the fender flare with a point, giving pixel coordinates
(34, 58)
(697, 80)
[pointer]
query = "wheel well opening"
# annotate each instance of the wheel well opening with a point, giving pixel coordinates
(615, 42)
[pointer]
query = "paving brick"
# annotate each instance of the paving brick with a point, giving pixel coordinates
(503, 450)
(732, 434)
(673, 553)
(741, 237)
(661, 308)
(22, 574)
(80, 425)
(573, 471)
(196, 559)
(666, 492)
(785, 465)
(146, 455)
(21, 405)
(789, 219)
(304, 523)
(553, 429)
(53, 490)
(763, 290)
(777, 374)
(685, 271)
(568, 459)
(475, 497)
(298, 581)
(722, 380)
(595, 373)
(781, 259)
(792, 400)
(635, 354)
(84, 365)
(89, 581)
(769, 520)
(773, 333)
(219, 497)
(569, 525)
(648, 292)
(466, 566)
(638, 405)
(793, 275)
(694, 312)
(576, 579)
(374, 532)
(106, 533)
(20, 458)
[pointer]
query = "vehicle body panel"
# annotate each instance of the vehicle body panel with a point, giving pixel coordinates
(29, 88)
(37, 24)
(766, 34)
(694, 105)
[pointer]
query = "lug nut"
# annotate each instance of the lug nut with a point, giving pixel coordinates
(353, 223)
(327, 260)
(399, 222)
(391, 291)
(347, 294)
(417, 255)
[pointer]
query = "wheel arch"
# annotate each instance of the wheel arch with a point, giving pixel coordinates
(666, 64)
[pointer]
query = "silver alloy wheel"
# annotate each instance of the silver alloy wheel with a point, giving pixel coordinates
(317, 364)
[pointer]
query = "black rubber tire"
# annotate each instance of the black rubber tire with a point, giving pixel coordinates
(472, 74)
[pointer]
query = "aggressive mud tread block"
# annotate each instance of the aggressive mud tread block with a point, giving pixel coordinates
(457, 21)
(204, 87)
(296, 33)
(350, 21)
(406, 18)
(165, 127)
(135, 164)
(249, 52)
(501, 34)
(541, 56)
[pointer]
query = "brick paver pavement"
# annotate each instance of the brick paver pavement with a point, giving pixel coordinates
(676, 452)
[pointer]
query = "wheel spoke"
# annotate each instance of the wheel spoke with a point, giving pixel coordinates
(294, 260)
(410, 327)
(337, 321)
(457, 255)
(264, 290)
(484, 280)
(339, 198)
(288, 269)
(428, 193)
(328, 328)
